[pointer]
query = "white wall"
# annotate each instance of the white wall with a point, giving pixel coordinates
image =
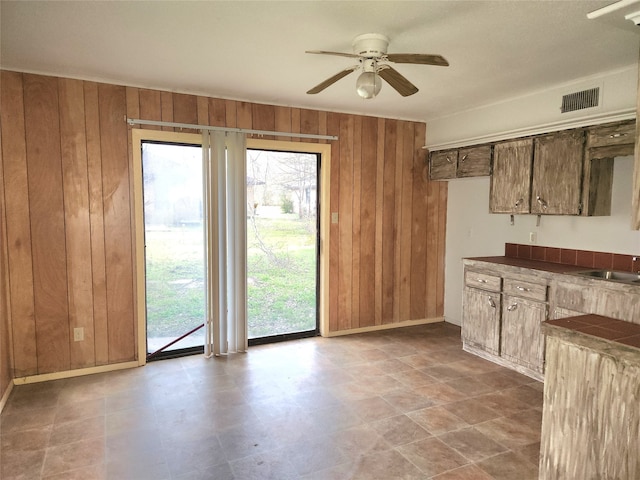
(472, 231)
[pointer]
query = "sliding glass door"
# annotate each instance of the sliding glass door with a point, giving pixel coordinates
(282, 244)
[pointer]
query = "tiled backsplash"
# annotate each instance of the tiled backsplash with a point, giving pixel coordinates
(581, 258)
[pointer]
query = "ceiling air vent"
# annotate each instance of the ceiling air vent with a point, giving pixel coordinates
(579, 100)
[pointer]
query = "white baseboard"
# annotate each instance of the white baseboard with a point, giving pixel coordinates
(386, 326)
(74, 373)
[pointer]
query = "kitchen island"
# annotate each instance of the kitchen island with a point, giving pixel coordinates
(591, 413)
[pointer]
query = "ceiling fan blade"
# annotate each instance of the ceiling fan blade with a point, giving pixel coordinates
(339, 54)
(403, 86)
(330, 81)
(419, 58)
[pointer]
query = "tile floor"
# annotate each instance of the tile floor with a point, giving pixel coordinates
(401, 404)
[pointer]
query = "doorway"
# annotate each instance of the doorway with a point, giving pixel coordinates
(282, 244)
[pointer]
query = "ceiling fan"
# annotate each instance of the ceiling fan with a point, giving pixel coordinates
(371, 51)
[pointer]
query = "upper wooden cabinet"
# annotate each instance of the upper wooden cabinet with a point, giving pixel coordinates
(568, 172)
(511, 178)
(542, 175)
(459, 163)
(443, 164)
(611, 139)
(557, 173)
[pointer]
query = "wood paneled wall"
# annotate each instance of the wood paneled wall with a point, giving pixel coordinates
(66, 158)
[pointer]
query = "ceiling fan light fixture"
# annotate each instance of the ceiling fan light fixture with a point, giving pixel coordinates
(368, 85)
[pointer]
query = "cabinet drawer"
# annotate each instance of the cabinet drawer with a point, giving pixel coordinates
(617, 134)
(474, 161)
(534, 291)
(484, 281)
(443, 165)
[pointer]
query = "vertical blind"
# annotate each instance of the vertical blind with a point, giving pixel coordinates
(225, 213)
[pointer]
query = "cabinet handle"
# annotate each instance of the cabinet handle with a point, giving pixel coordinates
(617, 135)
(464, 157)
(512, 307)
(519, 202)
(523, 289)
(542, 202)
(492, 303)
(449, 159)
(481, 280)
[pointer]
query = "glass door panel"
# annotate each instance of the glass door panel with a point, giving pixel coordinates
(174, 248)
(282, 244)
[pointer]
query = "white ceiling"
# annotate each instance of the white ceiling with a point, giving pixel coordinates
(256, 50)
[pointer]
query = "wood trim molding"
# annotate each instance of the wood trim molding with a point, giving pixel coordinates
(628, 114)
(5, 397)
(387, 326)
(45, 377)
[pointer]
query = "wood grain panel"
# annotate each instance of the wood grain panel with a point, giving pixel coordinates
(405, 230)
(46, 208)
(431, 245)
(283, 121)
(309, 123)
(295, 123)
(96, 217)
(378, 218)
(217, 112)
(18, 228)
(185, 108)
(203, 110)
(389, 222)
(166, 109)
(117, 223)
(355, 215)
(244, 115)
(230, 113)
(76, 218)
(419, 222)
(6, 371)
(264, 118)
(150, 106)
(368, 173)
(442, 235)
(345, 261)
(333, 128)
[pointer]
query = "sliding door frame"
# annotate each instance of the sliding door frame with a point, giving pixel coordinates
(140, 135)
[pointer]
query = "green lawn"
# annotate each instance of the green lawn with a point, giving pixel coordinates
(281, 278)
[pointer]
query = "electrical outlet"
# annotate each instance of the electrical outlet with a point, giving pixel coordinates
(533, 237)
(78, 334)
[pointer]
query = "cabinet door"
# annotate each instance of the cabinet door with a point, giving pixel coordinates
(557, 173)
(443, 165)
(474, 161)
(481, 319)
(522, 338)
(511, 178)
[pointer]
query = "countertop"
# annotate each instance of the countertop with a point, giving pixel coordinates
(607, 335)
(531, 264)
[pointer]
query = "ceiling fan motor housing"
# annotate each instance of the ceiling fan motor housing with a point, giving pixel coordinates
(370, 45)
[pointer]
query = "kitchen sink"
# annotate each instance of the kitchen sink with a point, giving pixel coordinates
(623, 277)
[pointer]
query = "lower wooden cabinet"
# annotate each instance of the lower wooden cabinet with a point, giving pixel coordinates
(522, 341)
(481, 319)
(502, 317)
